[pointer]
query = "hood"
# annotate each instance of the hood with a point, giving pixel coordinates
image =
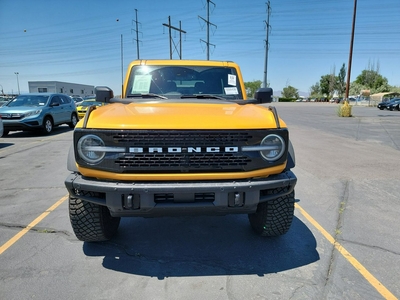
(19, 109)
(181, 116)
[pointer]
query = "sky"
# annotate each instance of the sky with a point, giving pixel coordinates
(82, 41)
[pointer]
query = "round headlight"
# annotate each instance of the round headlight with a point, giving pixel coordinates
(273, 147)
(89, 148)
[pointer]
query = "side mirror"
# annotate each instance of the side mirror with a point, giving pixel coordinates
(103, 94)
(263, 95)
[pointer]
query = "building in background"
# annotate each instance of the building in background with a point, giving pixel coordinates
(71, 89)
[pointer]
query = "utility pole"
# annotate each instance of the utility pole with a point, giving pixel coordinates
(208, 23)
(351, 51)
(137, 34)
(264, 84)
(171, 41)
(122, 63)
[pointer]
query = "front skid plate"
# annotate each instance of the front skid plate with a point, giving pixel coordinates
(140, 198)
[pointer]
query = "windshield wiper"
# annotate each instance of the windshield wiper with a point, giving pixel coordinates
(203, 96)
(148, 95)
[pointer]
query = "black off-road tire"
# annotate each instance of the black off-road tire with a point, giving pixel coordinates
(273, 218)
(74, 121)
(91, 222)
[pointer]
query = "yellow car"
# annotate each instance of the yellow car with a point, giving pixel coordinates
(84, 105)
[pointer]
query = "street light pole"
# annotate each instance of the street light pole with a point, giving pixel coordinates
(16, 73)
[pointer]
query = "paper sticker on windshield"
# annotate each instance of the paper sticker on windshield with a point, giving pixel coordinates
(231, 90)
(141, 84)
(232, 79)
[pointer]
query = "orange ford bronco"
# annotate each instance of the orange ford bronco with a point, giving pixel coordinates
(183, 139)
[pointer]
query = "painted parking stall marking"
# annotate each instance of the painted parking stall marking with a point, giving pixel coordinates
(20, 234)
(347, 255)
(351, 259)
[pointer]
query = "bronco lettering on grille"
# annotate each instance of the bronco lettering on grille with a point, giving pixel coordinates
(183, 149)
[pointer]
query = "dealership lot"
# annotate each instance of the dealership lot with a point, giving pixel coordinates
(344, 242)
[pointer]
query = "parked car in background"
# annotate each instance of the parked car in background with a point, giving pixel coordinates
(77, 100)
(38, 111)
(84, 105)
(394, 105)
(384, 105)
(4, 100)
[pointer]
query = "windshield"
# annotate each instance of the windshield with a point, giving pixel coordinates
(29, 100)
(89, 103)
(178, 81)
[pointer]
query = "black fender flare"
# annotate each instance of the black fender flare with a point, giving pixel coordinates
(71, 164)
(291, 160)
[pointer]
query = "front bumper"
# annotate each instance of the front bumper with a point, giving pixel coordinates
(29, 124)
(155, 199)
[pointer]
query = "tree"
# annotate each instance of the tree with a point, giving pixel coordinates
(332, 82)
(395, 89)
(356, 88)
(341, 84)
(372, 80)
(290, 92)
(252, 87)
(315, 90)
(324, 84)
(369, 79)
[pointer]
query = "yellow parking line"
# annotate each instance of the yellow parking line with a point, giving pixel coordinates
(351, 259)
(20, 234)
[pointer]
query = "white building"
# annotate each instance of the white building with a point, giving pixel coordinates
(71, 89)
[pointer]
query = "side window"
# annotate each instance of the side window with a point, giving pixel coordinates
(55, 100)
(66, 99)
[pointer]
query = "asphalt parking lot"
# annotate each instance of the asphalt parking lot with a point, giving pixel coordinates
(344, 242)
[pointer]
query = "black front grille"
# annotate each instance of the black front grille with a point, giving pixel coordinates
(194, 161)
(183, 138)
(181, 151)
